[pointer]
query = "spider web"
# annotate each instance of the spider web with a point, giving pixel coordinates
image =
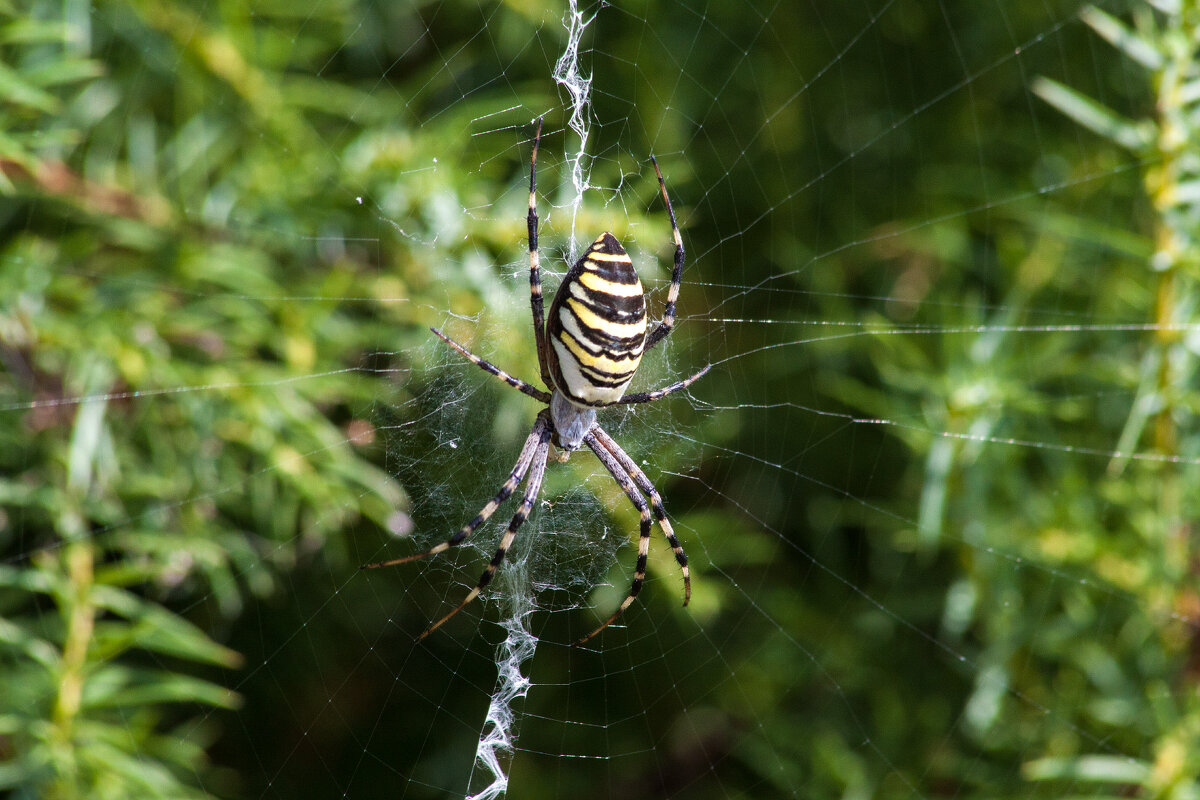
(847, 634)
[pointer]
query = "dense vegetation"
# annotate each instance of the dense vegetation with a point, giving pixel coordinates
(226, 228)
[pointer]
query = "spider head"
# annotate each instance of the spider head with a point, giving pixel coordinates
(571, 422)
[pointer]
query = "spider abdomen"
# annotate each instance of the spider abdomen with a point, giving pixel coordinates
(597, 326)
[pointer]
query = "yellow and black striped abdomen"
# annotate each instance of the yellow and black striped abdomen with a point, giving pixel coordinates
(597, 326)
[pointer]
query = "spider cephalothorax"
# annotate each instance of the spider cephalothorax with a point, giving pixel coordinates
(588, 352)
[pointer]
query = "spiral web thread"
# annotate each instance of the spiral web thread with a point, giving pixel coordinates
(498, 737)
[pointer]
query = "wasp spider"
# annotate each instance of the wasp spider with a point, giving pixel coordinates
(588, 353)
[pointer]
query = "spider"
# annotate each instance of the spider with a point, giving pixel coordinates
(588, 353)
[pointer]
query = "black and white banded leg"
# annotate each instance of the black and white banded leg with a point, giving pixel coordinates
(537, 471)
(492, 369)
(617, 462)
(650, 397)
(656, 504)
(668, 320)
(528, 451)
(535, 273)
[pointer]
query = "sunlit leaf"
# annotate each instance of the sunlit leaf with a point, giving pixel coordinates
(115, 686)
(1122, 37)
(1094, 116)
(1095, 769)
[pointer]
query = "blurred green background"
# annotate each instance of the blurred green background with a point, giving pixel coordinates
(938, 489)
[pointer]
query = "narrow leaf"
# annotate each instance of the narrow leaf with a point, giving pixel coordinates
(27, 580)
(1097, 769)
(1094, 116)
(36, 648)
(1122, 37)
(158, 630)
(14, 89)
(141, 777)
(1189, 92)
(1187, 192)
(28, 30)
(1165, 6)
(116, 686)
(67, 71)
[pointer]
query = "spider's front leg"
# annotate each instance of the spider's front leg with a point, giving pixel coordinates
(492, 369)
(668, 320)
(649, 397)
(536, 301)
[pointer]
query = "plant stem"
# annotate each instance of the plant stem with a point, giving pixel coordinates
(80, 617)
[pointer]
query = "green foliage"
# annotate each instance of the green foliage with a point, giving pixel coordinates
(176, 433)
(1097, 636)
(222, 243)
(1141, 546)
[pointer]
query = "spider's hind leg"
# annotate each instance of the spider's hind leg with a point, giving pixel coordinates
(656, 503)
(536, 471)
(540, 430)
(600, 443)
